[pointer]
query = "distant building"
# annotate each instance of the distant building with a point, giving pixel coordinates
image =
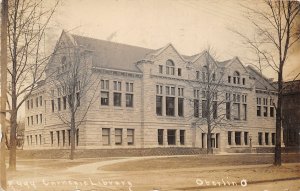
(291, 113)
(155, 98)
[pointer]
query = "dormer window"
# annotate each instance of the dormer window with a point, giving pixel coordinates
(236, 77)
(170, 67)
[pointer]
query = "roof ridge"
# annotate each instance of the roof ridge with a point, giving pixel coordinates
(107, 41)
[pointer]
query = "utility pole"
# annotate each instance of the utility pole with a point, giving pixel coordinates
(4, 20)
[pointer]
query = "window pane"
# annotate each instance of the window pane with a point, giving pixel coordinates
(180, 106)
(159, 105)
(117, 99)
(129, 100)
(170, 102)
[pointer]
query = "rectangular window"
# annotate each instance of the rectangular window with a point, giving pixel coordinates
(197, 75)
(229, 79)
(265, 111)
(158, 105)
(104, 98)
(41, 101)
(31, 103)
(37, 102)
(31, 120)
(160, 136)
(40, 139)
(244, 81)
(196, 108)
(28, 104)
(65, 102)
(104, 84)
(117, 86)
(51, 137)
(273, 138)
(258, 111)
(57, 136)
(267, 138)
(271, 111)
(37, 119)
(171, 136)
(196, 93)
(180, 92)
(159, 89)
(180, 107)
(238, 138)
(160, 69)
(204, 109)
(214, 76)
(130, 136)
(246, 138)
(69, 137)
(78, 99)
(129, 87)
(52, 105)
(129, 100)
(229, 137)
(179, 71)
(117, 99)
(228, 113)
(30, 139)
(260, 138)
(63, 137)
(170, 103)
(41, 118)
(118, 136)
(28, 120)
(36, 139)
(244, 116)
(182, 136)
(58, 104)
(106, 136)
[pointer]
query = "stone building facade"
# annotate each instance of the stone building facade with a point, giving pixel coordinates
(291, 113)
(154, 98)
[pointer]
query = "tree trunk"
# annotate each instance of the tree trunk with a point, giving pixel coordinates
(277, 159)
(13, 140)
(73, 131)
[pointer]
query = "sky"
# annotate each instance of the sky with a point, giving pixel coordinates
(190, 25)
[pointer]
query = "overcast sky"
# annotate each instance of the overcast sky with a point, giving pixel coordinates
(191, 26)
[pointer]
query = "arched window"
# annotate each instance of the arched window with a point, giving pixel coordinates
(170, 67)
(236, 77)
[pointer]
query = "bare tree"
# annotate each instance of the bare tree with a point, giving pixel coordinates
(27, 25)
(215, 96)
(276, 31)
(76, 88)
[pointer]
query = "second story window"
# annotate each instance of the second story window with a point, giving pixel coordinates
(159, 97)
(104, 92)
(265, 110)
(170, 100)
(129, 94)
(236, 77)
(258, 103)
(170, 67)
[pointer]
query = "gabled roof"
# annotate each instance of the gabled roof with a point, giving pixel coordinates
(261, 82)
(112, 55)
